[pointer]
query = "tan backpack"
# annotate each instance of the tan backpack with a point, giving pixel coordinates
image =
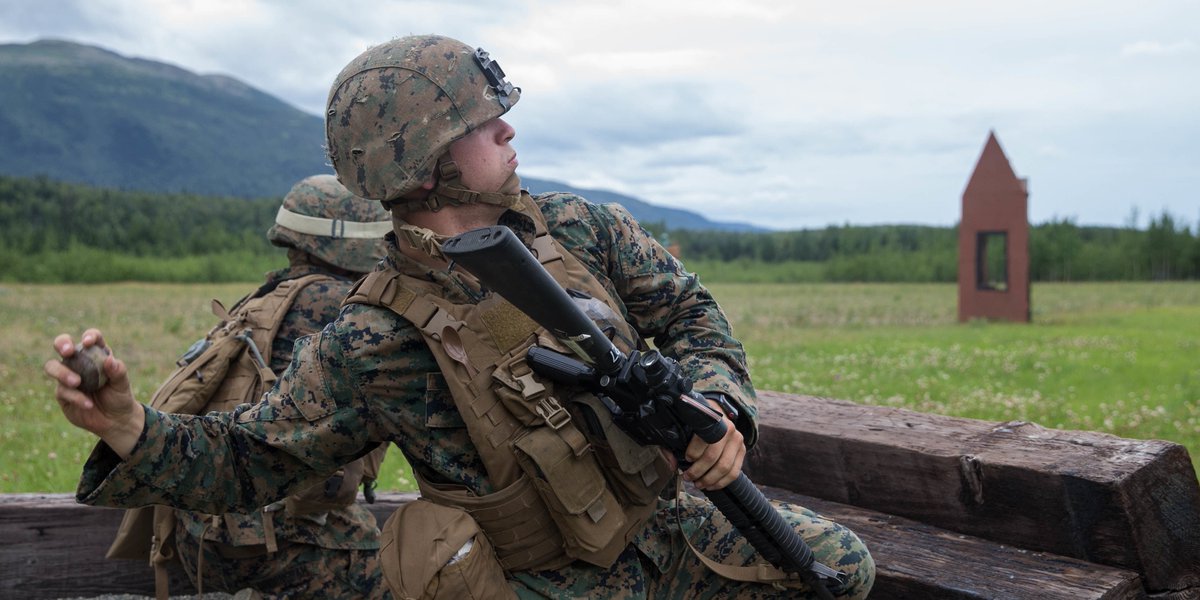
(230, 366)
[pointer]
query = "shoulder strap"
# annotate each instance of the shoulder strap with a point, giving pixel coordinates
(381, 288)
(279, 301)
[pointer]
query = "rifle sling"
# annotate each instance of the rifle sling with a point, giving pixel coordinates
(762, 572)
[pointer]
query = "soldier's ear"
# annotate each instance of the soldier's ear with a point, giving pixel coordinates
(421, 191)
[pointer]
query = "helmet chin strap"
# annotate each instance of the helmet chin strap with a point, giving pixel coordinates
(450, 191)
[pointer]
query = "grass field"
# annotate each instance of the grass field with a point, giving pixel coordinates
(1120, 358)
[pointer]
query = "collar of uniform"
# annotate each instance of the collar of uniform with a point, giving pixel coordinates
(398, 261)
(298, 266)
(519, 222)
(455, 287)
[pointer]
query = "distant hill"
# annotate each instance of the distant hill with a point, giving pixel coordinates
(674, 218)
(82, 114)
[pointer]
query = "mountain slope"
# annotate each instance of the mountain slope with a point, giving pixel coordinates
(82, 114)
(674, 218)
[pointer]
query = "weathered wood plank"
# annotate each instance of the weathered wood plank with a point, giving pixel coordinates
(58, 548)
(1133, 504)
(54, 548)
(917, 561)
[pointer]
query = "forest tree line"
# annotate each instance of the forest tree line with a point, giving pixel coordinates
(54, 232)
(1059, 250)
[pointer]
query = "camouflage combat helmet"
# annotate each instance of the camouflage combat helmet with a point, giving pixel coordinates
(321, 217)
(394, 110)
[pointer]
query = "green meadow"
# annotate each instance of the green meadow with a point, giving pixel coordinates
(1120, 358)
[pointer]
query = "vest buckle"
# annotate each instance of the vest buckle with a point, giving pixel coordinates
(531, 388)
(552, 412)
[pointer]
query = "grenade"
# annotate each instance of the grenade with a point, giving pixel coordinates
(88, 363)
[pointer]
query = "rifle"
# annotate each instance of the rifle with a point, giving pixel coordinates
(648, 395)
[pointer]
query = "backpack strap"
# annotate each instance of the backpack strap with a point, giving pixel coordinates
(279, 301)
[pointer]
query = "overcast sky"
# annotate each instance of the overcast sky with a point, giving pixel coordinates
(786, 114)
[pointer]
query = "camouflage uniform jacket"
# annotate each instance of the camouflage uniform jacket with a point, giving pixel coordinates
(350, 527)
(369, 377)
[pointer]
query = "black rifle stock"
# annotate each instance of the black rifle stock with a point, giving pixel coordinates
(649, 397)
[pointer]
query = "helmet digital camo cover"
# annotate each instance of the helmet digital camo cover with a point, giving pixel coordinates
(321, 217)
(395, 109)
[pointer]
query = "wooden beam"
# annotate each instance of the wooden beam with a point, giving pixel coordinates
(55, 548)
(1131, 504)
(914, 560)
(951, 508)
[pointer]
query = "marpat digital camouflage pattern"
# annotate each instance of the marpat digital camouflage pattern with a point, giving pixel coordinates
(321, 196)
(329, 554)
(369, 377)
(395, 109)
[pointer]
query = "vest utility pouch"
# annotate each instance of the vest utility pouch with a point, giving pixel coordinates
(514, 519)
(637, 473)
(435, 552)
(573, 488)
(524, 396)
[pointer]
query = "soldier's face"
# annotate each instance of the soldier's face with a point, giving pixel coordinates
(485, 157)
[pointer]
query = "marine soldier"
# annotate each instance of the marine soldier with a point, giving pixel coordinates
(317, 543)
(527, 488)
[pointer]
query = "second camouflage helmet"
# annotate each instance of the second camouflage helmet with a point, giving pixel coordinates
(394, 110)
(321, 217)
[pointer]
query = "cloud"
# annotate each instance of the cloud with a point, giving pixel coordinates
(621, 114)
(1146, 48)
(784, 114)
(25, 20)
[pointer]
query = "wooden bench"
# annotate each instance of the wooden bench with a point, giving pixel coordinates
(1128, 504)
(951, 508)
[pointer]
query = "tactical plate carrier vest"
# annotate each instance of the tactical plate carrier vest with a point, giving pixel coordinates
(570, 484)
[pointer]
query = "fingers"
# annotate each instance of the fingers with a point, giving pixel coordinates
(61, 373)
(115, 370)
(716, 465)
(63, 345)
(66, 393)
(58, 371)
(92, 337)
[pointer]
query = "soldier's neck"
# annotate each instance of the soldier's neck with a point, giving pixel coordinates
(453, 220)
(448, 222)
